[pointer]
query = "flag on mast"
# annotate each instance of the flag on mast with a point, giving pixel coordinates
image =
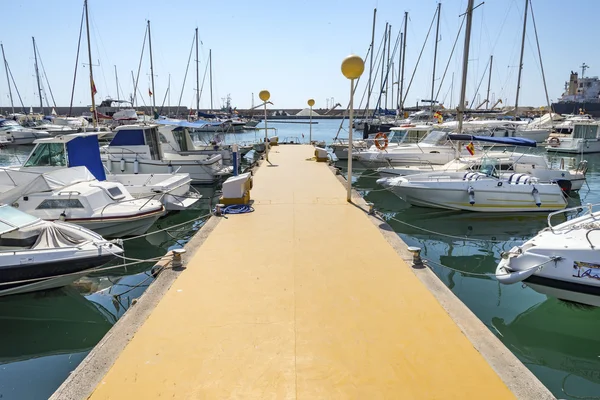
(94, 91)
(149, 92)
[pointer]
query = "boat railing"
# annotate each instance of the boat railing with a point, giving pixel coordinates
(577, 209)
(587, 236)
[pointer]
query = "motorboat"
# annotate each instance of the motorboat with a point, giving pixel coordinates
(434, 148)
(397, 135)
(141, 149)
(82, 149)
(14, 134)
(176, 134)
(506, 163)
(39, 255)
(585, 139)
(561, 261)
(75, 195)
(483, 190)
(502, 128)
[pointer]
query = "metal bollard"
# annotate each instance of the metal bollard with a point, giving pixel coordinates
(371, 208)
(219, 209)
(177, 262)
(416, 252)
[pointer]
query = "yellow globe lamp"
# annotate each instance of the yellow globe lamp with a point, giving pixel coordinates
(311, 102)
(353, 66)
(264, 95)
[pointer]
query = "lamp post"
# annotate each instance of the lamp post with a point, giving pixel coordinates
(352, 67)
(264, 95)
(311, 103)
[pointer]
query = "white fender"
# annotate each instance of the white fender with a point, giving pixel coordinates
(136, 166)
(506, 277)
(536, 196)
(471, 193)
(122, 164)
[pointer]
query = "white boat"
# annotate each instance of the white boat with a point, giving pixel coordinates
(507, 164)
(39, 255)
(14, 134)
(483, 191)
(398, 135)
(585, 139)
(561, 261)
(75, 195)
(502, 128)
(141, 149)
(435, 148)
(82, 149)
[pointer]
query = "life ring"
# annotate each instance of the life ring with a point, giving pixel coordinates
(554, 141)
(381, 141)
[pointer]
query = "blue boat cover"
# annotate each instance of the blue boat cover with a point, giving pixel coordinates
(84, 152)
(179, 122)
(128, 137)
(512, 141)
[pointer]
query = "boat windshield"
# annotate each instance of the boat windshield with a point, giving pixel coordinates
(585, 131)
(47, 155)
(12, 219)
(435, 138)
(488, 167)
(9, 122)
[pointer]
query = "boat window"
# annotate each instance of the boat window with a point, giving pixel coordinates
(434, 137)
(12, 216)
(115, 192)
(585, 131)
(50, 204)
(162, 138)
(47, 155)
(488, 167)
(150, 135)
(179, 136)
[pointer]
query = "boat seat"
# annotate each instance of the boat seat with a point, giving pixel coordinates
(519, 179)
(473, 176)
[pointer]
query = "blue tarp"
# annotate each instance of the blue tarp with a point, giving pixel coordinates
(511, 141)
(196, 124)
(205, 115)
(84, 152)
(128, 137)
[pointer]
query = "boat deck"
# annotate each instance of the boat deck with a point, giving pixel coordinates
(302, 299)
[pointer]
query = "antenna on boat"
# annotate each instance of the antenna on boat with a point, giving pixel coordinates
(583, 67)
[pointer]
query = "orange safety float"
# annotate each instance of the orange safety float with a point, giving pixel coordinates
(381, 141)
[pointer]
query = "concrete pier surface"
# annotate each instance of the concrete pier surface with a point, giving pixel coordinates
(305, 298)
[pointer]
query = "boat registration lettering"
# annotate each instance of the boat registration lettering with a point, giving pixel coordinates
(583, 269)
(27, 260)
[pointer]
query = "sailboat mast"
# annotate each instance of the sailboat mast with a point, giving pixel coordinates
(387, 64)
(197, 77)
(437, 36)
(370, 88)
(489, 82)
(12, 105)
(401, 94)
(117, 82)
(210, 74)
(521, 58)
(151, 69)
(37, 74)
(383, 59)
(92, 86)
(463, 85)
(400, 57)
(169, 99)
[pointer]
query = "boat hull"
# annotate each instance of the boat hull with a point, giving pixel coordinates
(573, 107)
(122, 226)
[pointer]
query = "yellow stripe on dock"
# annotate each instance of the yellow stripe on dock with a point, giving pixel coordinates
(302, 299)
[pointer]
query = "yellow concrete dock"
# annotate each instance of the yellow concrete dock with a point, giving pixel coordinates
(302, 299)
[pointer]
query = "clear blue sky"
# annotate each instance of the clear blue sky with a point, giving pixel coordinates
(293, 49)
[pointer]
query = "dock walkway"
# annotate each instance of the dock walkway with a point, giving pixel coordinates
(302, 299)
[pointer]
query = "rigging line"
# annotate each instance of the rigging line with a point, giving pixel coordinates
(137, 78)
(384, 83)
(76, 63)
(480, 81)
(418, 59)
(16, 88)
(203, 80)
(450, 57)
(187, 67)
(98, 39)
(379, 52)
(45, 77)
(540, 55)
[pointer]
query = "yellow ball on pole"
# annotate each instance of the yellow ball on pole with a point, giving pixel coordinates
(264, 95)
(311, 102)
(353, 66)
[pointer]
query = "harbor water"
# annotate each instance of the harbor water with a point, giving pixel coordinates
(46, 335)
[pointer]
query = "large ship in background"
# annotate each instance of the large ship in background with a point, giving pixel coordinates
(581, 96)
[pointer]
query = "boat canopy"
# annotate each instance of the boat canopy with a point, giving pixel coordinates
(185, 124)
(512, 141)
